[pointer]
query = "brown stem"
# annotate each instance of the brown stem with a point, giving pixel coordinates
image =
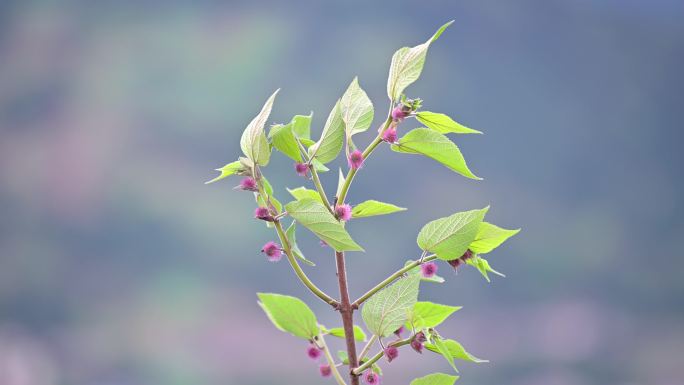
(347, 313)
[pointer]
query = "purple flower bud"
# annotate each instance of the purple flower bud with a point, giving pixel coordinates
(301, 168)
(399, 331)
(417, 345)
(313, 352)
(467, 255)
(420, 337)
(428, 269)
(355, 160)
(325, 370)
(455, 263)
(391, 353)
(390, 135)
(248, 184)
(400, 112)
(273, 251)
(343, 212)
(263, 213)
(371, 378)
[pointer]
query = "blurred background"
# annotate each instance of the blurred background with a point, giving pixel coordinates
(119, 266)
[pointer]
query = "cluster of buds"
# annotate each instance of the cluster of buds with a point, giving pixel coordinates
(314, 353)
(391, 352)
(428, 269)
(343, 212)
(405, 108)
(455, 263)
(417, 342)
(264, 214)
(355, 160)
(247, 184)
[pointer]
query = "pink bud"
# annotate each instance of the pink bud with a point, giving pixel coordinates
(248, 184)
(343, 212)
(420, 337)
(355, 160)
(301, 168)
(455, 263)
(325, 370)
(390, 135)
(428, 269)
(467, 255)
(371, 378)
(417, 345)
(313, 352)
(272, 251)
(400, 112)
(399, 331)
(263, 213)
(391, 353)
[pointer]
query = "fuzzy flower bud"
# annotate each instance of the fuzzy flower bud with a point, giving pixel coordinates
(428, 269)
(391, 353)
(467, 255)
(247, 184)
(400, 112)
(371, 378)
(355, 160)
(455, 263)
(390, 135)
(301, 168)
(263, 213)
(325, 370)
(417, 345)
(399, 331)
(420, 337)
(343, 212)
(313, 352)
(273, 251)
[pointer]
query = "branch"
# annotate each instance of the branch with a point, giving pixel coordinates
(331, 361)
(366, 348)
(298, 269)
(378, 356)
(319, 187)
(391, 279)
(347, 313)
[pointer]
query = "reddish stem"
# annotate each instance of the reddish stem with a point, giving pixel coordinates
(347, 312)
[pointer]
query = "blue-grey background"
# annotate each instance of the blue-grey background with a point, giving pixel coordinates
(119, 266)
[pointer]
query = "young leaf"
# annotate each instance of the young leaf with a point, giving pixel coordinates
(482, 265)
(289, 314)
(443, 123)
(300, 193)
(320, 167)
(332, 139)
(311, 214)
(291, 234)
(456, 350)
(371, 207)
(343, 356)
(449, 237)
(253, 141)
(356, 108)
(407, 64)
(436, 146)
(389, 308)
(435, 379)
(443, 349)
(227, 170)
(283, 138)
(435, 278)
(429, 315)
(301, 126)
(359, 335)
(489, 237)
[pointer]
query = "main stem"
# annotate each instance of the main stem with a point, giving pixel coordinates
(347, 312)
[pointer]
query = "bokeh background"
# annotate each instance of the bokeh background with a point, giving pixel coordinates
(119, 266)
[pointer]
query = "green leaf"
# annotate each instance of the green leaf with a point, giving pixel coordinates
(359, 335)
(289, 314)
(456, 350)
(434, 278)
(389, 308)
(429, 315)
(313, 215)
(443, 349)
(283, 138)
(489, 237)
(227, 170)
(443, 123)
(407, 64)
(449, 237)
(356, 109)
(253, 141)
(332, 139)
(340, 183)
(291, 234)
(343, 356)
(436, 146)
(371, 207)
(301, 126)
(435, 379)
(318, 166)
(483, 267)
(300, 193)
